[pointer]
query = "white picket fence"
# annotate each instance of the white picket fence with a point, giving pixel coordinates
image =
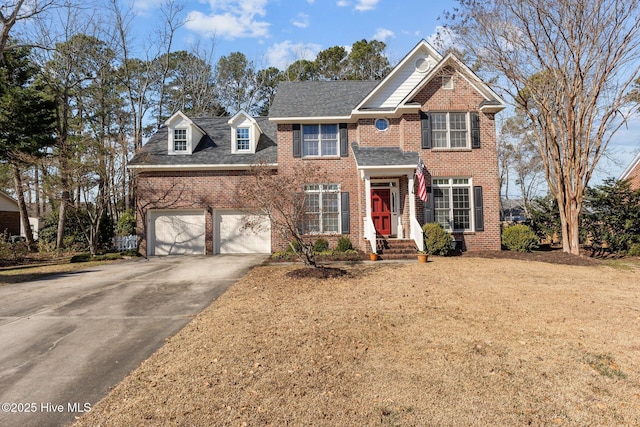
(125, 243)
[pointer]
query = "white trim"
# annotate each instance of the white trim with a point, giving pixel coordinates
(312, 120)
(202, 167)
(422, 44)
(465, 72)
(635, 162)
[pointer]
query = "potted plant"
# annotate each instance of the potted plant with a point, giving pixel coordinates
(423, 256)
(373, 256)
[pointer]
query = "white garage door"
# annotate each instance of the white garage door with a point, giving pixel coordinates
(241, 233)
(177, 233)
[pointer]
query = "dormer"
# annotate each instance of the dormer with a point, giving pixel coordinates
(183, 134)
(245, 133)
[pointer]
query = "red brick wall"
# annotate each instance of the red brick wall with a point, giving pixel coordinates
(206, 190)
(634, 177)
(479, 164)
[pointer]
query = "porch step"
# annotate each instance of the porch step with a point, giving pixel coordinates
(396, 248)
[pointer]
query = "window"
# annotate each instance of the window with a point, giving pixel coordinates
(452, 203)
(382, 124)
(242, 139)
(319, 140)
(449, 130)
(180, 140)
(322, 208)
(447, 82)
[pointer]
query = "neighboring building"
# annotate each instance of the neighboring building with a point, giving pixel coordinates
(9, 215)
(369, 136)
(632, 173)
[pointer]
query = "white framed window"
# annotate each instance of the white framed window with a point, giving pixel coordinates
(447, 82)
(179, 140)
(320, 140)
(450, 130)
(243, 142)
(452, 203)
(322, 208)
(382, 124)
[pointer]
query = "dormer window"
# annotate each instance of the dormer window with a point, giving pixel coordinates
(243, 142)
(180, 140)
(183, 134)
(245, 133)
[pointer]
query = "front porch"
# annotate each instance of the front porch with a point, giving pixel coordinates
(391, 210)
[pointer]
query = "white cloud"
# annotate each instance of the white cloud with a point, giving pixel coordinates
(443, 39)
(383, 34)
(281, 55)
(364, 5)
(301, 21)
(231, 19)
(361, 5)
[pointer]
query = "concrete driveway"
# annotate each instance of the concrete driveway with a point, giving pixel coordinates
(65, 341)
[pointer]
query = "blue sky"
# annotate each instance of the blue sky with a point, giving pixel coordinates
(278, 32)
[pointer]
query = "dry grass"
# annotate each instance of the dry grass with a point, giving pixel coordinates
(459, 341)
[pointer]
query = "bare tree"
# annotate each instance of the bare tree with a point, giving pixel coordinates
(281, 198)
(568, 65)
(12, 13)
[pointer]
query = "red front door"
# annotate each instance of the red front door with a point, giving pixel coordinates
(381, 211)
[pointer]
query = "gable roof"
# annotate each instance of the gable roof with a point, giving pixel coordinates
(367, 157)
(634, 163)
(318, 99)
(213, 150)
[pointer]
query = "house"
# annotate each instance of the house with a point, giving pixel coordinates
(9, 215)
(369, 136)
(632, 173)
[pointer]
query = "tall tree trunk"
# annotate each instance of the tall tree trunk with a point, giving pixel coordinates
(22, 206)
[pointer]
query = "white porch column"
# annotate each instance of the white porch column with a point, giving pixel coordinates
(369, 228)
(416, 230)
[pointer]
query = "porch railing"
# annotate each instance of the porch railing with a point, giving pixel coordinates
(370, 233)
(416, 233)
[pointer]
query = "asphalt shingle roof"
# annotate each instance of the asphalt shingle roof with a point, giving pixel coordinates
(319, 98)
(383, 156)
(213, 149)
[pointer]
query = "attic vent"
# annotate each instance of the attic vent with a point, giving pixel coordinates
(423, 65)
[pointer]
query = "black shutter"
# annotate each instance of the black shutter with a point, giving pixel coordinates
(425, 126)
(300, 203)
(478, 208)
(475, 130)
(344, 213)
(344, 140)
(297, 141)
(428, 206)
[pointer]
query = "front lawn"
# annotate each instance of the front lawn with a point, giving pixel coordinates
(457, 341)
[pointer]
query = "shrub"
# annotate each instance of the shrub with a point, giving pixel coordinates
(83, 257)
(320, 245)
(634, 250)
(520, 238)
(436, 239)
(344, 244)
(126, 225)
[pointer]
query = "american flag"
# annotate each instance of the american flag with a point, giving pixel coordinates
(422, 186)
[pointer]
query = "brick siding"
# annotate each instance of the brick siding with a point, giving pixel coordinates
(211, 190)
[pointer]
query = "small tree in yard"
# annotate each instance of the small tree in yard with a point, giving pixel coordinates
(281, 198)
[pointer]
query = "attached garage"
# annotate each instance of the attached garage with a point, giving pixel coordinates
(176, 232)
(234, 235)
